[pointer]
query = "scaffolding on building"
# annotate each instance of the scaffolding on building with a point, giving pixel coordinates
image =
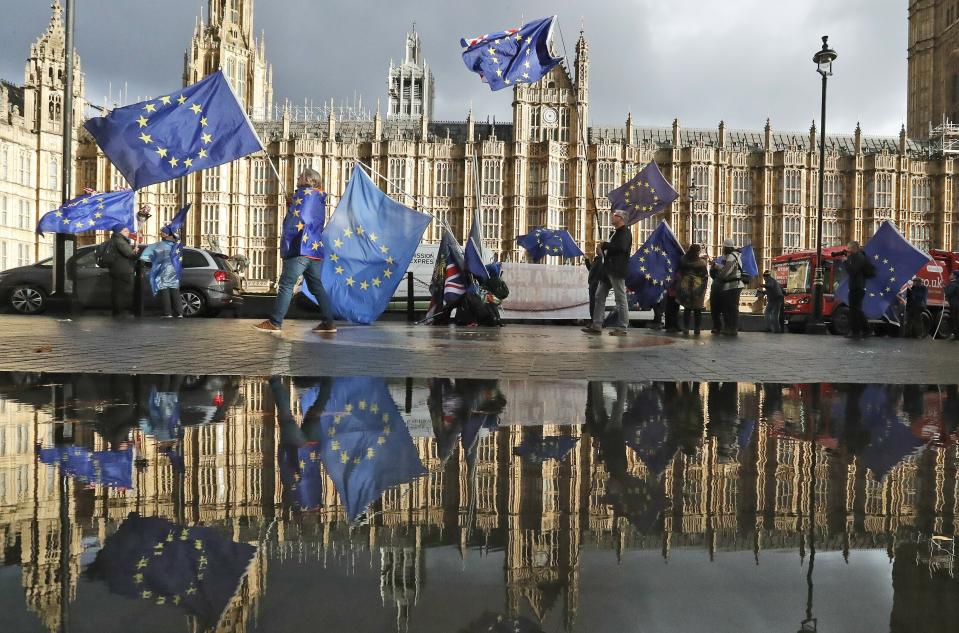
(945, 137)
(354, 110)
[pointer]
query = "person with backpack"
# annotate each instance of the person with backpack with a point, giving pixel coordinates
(163, 276)
(858, 269)
(691, 289)
(951, 293)
(119, 256)
(730, 275)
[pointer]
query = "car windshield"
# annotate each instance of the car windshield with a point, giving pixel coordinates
(796, 275)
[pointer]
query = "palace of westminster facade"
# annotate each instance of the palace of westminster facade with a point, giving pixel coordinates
(549, 167)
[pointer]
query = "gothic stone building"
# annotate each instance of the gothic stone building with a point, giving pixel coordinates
(549, 167)
(933, 64)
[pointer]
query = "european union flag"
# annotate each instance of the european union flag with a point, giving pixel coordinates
(367, 446)
(303, 224)
(447, 284)
(175, 226)
(113, 469)
(369, 241)
(538, 450)
(514, 56)
(475, 256)
(91, 212)
(194, 568)
(198, 127)
(653, 267)
(541, 242)
(645, 195)
(890, 439)
(300, 474)
(896, 262)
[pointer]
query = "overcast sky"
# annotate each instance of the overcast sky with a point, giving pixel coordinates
(699, 60)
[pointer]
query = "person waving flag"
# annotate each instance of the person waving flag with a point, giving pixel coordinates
(513, 56)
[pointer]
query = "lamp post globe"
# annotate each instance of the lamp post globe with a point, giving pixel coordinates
(823, 59)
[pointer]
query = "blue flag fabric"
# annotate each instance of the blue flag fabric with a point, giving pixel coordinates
(750, 267)
(113, 469)
(303, 224)
(91, 212)
(367, 446)
(538, 450)
(653, 267)
(162, 421)
(890, 438)
(541, 242)
(896, 262)
(301, 475)
(474, 255)
(369, 241)
(514, 56)
(175, 225)
(447, 284)
(198, 127)
(645, 195)
(194, 568)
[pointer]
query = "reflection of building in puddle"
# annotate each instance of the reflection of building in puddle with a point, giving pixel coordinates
(732, 464)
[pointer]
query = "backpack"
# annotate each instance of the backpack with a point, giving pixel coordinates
(106, 254)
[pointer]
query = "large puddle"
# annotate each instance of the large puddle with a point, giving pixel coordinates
(158, 503)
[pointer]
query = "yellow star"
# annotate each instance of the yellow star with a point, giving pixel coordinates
(203, 122)
(173, 161)
(206, 138)
(339, 270)
(334, 258)
(146, 594)
(389, 260)
(384, 250)
(344, 457)
(142, 121)
(188, 162)
(506, 81)
(59, 214)
(162, 152)
(525, 75)
(98, 215)
(375, 408)
(308, 192)
(181, 100)
(150, 107)
(142, 563)
(66, 221)
(387, 273)
(386, 417)
(337, 243)
(165, 100)
(373, 237)
(146, 138)
(138, 578)
(349, 281)
(196, 109)
(364, 285)
(492, 51)
(299, 226)
(91, 222)
(377, 282)
(306, 238)
(362, 405)
(297, 202)
(370, 453)
(381, 440)
(202, 154)
(296, 213)
(359, 230)
(499, 72)
(347, 233)
(315, 245)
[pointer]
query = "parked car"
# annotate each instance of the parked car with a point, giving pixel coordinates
(209, 284)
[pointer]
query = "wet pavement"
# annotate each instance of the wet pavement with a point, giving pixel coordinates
(193, 503)
(232, 347)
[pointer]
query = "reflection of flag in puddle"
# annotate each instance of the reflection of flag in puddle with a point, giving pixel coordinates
(106, 468)
(194, 568)
(890, 440)
(536, 450)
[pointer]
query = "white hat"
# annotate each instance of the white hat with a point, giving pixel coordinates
(728, 243)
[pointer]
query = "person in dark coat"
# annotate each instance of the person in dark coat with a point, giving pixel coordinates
(122, 269)
(952, 298)
(716, 299)
(596, 273)
(730, 275)
(916, 298)
(773, 292)
(691, 289)
(616, 262)
(858, 269)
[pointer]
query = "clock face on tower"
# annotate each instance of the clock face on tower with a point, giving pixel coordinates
(549, 115)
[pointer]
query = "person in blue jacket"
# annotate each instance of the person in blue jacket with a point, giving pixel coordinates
(164, 279)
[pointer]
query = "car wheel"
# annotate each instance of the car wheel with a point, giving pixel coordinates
(192, 302)
(839, 322)
(945, 327)
(28, 300)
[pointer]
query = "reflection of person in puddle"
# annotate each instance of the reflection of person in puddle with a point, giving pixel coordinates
(629, 496)
(723, 404)
(461, 410)
(298, 453)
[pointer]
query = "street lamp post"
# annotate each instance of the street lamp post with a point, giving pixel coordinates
(823, 59)
(64, 244)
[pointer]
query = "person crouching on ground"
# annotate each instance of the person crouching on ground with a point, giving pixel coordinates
(122, 268)
(302, 253)
(615, 254)
(691, 291)
(163, 277)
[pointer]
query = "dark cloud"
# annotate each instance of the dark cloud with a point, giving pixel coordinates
(699, 60)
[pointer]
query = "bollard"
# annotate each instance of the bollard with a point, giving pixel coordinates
(409, 298)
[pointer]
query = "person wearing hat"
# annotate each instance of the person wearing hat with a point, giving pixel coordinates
(729, 276)
(615, 255)
(122, 266)
(163, 275)
(951, 293)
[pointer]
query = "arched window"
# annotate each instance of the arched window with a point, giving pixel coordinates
(54, 108)
(53, 173)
